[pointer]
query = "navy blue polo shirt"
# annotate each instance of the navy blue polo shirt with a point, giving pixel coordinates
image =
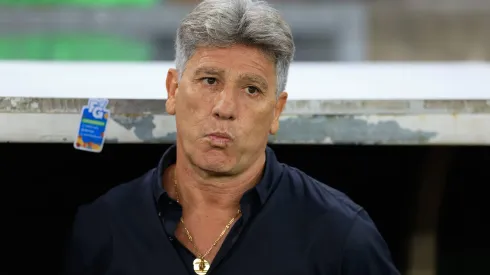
(291, 224)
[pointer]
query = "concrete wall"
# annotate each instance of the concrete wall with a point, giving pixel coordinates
(437, 30)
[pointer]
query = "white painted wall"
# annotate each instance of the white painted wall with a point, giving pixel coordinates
(308, 81)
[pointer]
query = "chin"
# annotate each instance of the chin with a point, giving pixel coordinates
(216, 161)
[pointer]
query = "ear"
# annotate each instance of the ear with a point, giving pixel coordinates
(172, 88)
(280, 104)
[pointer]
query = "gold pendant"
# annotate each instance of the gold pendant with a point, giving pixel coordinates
(201, 266)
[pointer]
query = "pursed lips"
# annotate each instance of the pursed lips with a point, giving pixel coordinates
(220, 137)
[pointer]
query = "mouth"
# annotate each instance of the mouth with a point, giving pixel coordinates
(219, 139)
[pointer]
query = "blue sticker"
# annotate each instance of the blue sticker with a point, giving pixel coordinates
(93, 124)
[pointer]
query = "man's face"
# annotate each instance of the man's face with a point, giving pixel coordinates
(225, 107)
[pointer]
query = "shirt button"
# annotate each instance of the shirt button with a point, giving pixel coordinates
(171, 239)
(159, 214)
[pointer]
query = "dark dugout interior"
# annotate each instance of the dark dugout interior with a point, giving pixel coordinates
(42, 184)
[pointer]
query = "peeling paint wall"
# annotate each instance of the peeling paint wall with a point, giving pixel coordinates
(296, 107)
(348, 130)
(306, 122)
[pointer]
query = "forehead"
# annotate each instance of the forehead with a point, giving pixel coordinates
(234, 59)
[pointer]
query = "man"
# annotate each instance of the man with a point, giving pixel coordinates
(219, 202)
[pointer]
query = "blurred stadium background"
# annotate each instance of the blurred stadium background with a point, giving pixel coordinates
(325, 31)
(328, 30)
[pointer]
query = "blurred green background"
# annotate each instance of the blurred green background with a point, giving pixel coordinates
(81, 3)
(325, 30)
(72, 46)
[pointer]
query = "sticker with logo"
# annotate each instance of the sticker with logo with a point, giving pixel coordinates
(93, 125)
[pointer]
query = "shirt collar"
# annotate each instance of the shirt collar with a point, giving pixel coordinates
(169, 158)
(270, 178)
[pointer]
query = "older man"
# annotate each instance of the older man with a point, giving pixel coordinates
(219, 201)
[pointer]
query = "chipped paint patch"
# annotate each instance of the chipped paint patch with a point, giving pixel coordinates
(15, 104)
(149, 128)
(141, 126)
(347, 129)
(450, 129)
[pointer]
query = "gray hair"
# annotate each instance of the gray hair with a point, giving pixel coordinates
(223, 23)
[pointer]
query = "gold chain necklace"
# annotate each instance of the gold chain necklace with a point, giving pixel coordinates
(200, 264)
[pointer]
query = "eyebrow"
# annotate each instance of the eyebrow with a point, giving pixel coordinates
(256, 79)
(246, 77)
(209, 71)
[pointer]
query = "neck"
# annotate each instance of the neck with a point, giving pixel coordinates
(199, 191)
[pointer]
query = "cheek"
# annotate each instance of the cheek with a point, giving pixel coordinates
(187, 101)
(259, 120)
(192, 106)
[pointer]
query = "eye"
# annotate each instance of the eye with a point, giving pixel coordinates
(209, 80)
(251, 90)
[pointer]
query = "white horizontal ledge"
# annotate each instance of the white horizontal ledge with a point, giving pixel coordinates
(307, 81)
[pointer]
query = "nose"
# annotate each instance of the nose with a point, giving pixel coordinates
(225, 105)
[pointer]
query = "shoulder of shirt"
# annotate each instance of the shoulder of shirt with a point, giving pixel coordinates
(319, 198)
(125, 195)
(326, 213)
